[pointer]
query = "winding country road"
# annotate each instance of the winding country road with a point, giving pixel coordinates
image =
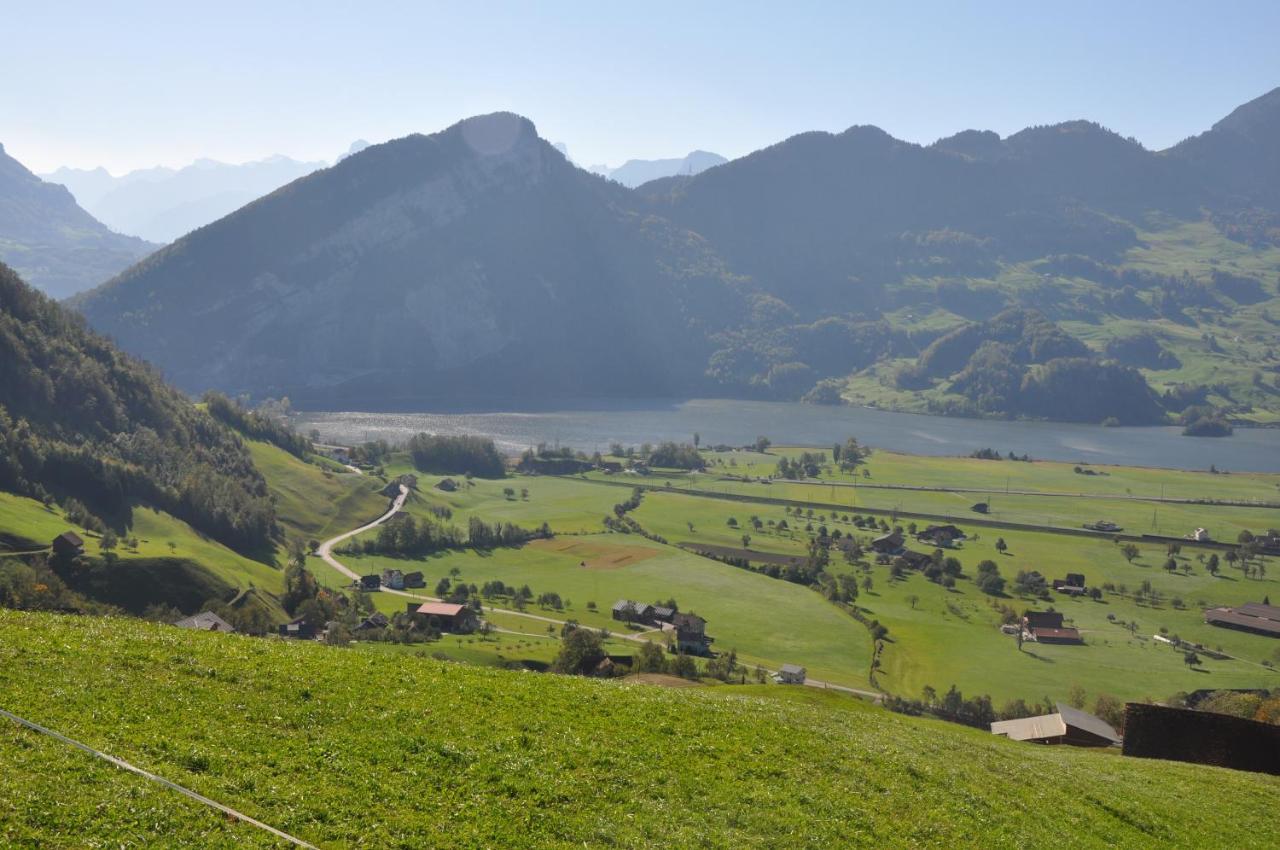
(325, 552)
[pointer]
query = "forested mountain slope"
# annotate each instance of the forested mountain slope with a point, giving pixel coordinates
(52, 242)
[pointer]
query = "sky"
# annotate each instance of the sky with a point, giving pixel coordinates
(136, 84)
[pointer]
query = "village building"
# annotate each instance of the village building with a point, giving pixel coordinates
(790, 674)
(628, 611)
(205, 621)
(298, 629)
(916, 560)
(889, 544)
(1200, 535)
(68, 544)
(1067, 726)
(376, 620)
(414, 579)
(447, 616)
(1047, 627)
(691, 634)
(370, 582)
(393, 579)
(1252, 617)
(941, 535)
(662, 614)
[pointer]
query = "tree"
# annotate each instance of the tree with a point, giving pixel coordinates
(581, 650)
(913, 599)
(835, 452)
(1110, 709)
(1076, 696)
(1001, 546)
(746, 541)
(108, 541)
(1191, 659)
(650, 659)
(1212, 564)
(697, 439)
(1171, 565)
(509, 492)
(762, 444)
(684, 667)
(1130, 551)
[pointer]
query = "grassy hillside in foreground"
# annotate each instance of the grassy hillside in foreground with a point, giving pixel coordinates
(366, 749)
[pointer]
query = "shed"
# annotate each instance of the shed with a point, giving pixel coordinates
(299, 629)
(1067, 726)
(68, 544)
(790, 674)
(370, 582)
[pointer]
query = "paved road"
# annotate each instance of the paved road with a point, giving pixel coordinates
(325, 552)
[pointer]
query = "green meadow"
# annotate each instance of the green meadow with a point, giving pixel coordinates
(361, 748)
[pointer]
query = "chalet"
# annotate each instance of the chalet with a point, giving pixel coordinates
(790, 674)
(691, 634)
(447, 616)
(370, 582)
(663, 614)
(889, 544)
(393, 579)
(376, 620)
(298, 629)
(205, 621)
(1067, 726)
(68, 544)
(627, 611)
(1072, 584)
(941, 535)
(916, 560)
(1047, 627)
(414, 579)
(1252, 617)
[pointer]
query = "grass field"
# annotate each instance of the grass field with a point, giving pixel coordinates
(354, 748)
(315, 503)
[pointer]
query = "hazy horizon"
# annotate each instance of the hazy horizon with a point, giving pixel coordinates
(131, 87)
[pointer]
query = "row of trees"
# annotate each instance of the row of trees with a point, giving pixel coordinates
(408, 537)
(457, 455)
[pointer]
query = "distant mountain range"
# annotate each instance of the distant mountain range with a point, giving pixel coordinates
(636, 172)
(479, 263)
(161, 204)
(53, 243)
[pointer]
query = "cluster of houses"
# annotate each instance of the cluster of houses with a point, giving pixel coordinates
(1256, 617)
(894, 544)
(392, 580)
(689, 631)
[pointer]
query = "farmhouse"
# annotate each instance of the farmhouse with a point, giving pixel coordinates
(691, 634)
(370, 582)
(376, 620)
(662, 614)
(299, 629)
(414, 579)
(790, 674)
(393, 579)
(627, 611)
(941, 535)
(1047, 627)
(448, 616)
(916, 560)
(1067, 726)
(889, 544)
(68, 544)
(205, 621)
(1252, 617)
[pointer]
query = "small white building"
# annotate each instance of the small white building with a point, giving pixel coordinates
(790, 674)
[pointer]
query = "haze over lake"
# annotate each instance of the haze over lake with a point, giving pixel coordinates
(593, 425)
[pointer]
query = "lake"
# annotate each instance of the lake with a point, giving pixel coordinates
(593, 425)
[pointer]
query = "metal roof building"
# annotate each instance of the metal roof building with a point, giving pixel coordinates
(1068, 726)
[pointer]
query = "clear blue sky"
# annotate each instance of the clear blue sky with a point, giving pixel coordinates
(132, 84)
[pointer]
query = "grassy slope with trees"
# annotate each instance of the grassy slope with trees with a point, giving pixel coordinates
(473, 757)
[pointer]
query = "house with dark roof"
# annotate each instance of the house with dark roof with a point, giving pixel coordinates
(1255, 617)
(889, 544)
(691, 634)
(371, 582)
(1067, 726)
(205, 621)
(446, 616)
(68, 544)
(414, 579)
(916, 560)
(663, 614)
(1048, 627)
(628, 611)
(298, 629)
(941, 535)
(376, 620)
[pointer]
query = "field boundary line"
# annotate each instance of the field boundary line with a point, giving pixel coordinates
(146, 774)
